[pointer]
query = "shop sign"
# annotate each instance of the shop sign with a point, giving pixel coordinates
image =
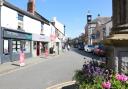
(12, 34)
(37, 37)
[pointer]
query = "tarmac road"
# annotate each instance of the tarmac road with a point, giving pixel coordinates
(44, 74)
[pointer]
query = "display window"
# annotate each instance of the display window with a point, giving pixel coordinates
(6, 46)
(21, 45)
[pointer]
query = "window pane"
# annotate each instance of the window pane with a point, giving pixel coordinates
(16, 45)
(27, 46)
(20, 17)
(6, 48)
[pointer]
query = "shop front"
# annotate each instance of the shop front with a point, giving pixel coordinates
(13, 43)
(39, 44)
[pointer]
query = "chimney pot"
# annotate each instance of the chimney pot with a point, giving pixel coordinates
(31, 6)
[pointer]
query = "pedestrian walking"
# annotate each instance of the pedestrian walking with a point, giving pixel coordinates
(68, 47)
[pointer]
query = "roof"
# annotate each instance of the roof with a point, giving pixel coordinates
(36, 17)
(101, 20)
(41, 17)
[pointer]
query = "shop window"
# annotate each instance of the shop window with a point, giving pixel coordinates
(6, 47)
(26, 46)
(16, 45)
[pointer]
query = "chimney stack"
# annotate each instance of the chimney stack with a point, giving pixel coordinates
(31, 6)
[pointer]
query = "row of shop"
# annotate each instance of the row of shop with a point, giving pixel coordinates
(14, 41)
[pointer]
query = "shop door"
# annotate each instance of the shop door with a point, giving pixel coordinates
(57, 45)
(38, 49)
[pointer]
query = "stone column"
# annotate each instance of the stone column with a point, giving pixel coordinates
(122, 11)
(126, 10)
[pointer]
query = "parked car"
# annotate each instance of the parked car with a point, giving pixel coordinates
(88, 48)
(99, 50)
(81, 46)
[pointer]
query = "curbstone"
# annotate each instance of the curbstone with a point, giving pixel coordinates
(61, 85)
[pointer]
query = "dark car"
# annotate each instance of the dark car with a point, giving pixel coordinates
(81, 46)
(99, 50)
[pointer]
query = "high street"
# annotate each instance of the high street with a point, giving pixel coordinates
(50, 72)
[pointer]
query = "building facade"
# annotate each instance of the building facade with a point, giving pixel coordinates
(60, 34)
(94, 30)
(17, 29)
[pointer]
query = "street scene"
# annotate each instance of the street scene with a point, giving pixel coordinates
(53, 44)
(47, 72)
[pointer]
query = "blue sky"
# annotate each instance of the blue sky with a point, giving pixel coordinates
(72, 13)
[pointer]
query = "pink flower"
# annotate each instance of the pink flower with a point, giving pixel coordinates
(118, 77)
(106, 85)
(121, 77)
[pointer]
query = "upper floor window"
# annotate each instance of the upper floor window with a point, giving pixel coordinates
(42, 29)
(104, 32)
(20, 21)
(20, 17)
(97, 34)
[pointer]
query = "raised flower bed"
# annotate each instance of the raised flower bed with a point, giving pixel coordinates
(94, 75)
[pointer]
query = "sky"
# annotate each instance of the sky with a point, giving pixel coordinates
(71, 13)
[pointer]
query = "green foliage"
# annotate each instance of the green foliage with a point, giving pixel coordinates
(79, 76)
(94, 75)
(115, 83)
(83, 82)
(98, 82)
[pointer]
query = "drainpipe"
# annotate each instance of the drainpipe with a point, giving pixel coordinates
(1, 46)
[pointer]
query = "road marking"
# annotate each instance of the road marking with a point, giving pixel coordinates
(59, 86)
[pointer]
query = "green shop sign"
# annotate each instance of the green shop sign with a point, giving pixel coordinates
(17, 35)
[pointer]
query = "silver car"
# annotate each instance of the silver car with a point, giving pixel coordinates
(88, 48)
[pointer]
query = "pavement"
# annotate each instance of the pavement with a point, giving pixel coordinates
(9, 67)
